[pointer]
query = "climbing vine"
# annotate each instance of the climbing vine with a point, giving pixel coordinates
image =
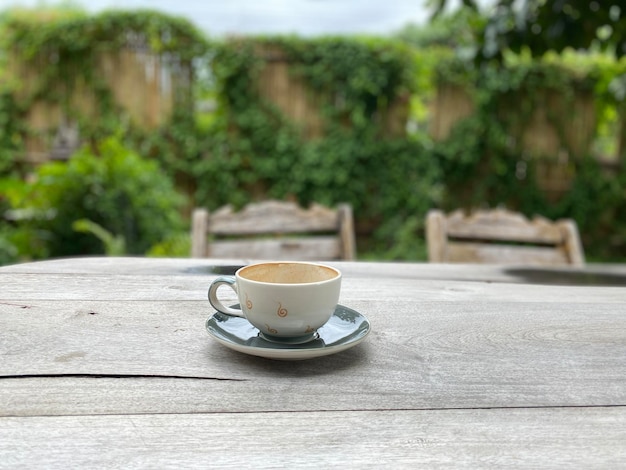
(247, 147)
(257, 151)
(64, 50)
(485, 163)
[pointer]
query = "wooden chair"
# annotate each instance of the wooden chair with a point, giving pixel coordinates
(502, 237)
(276, 230)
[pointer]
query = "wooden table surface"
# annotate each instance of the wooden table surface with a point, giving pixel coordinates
(106, 363)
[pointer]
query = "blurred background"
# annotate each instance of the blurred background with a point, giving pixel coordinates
(116, 123)
(301, 17)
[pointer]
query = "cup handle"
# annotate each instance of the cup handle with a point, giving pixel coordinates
(216, 303)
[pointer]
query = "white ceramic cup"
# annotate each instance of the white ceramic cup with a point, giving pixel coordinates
(286, 301)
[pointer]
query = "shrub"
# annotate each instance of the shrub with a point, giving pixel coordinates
(110, 186)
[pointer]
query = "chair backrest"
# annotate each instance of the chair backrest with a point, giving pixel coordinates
(276, 230)
(500, 236)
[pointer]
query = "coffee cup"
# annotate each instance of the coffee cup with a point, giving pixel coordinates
(286, 301)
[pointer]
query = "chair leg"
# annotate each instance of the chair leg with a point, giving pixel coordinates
(573, 245)
(199, 230)
(346, 224)
(435, 236)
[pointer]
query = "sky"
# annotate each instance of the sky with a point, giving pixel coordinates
(301, 17)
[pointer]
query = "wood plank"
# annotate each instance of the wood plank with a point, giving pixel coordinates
(264, 230)
(346, 232)
(505, 254)
(573, 244)
(273, 216)
(502, 237)
(124, 265)
(436, 236)
(106, 363)
(283, 248)
(379, 286)
(157, 357)
(611, 274)
(199, 227)
(536, 438)
(502, 225)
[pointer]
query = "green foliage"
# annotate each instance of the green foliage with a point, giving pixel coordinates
(10, 133)
(113, 188)
(360, 76)
(249, 149)
(113, 245)
(539, 26)
(8, 251)
(484, 163)
(65, 48)
(256, 151)
(456, 31)
(64, 45)
(14, 237)
(72, 35)
(177, 245)
(596, 202)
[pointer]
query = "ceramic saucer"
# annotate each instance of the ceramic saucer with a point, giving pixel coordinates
(345, 329)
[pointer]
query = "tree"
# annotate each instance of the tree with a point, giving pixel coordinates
(542, 25)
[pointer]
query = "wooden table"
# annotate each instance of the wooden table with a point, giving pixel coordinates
(106, 363)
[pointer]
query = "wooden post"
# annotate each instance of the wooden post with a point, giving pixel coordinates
(346, 225)
(435, 236)
(199, 230)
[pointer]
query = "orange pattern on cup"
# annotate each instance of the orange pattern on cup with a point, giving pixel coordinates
(282, 311)
(248, 303)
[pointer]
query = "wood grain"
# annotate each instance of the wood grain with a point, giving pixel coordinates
(22, 287)
(441, 355)
(500, 224)
(537, 438)
(274, 229)
(561, 275)
(300, 248)
(494, 253)
(273, 216)
(105, 363)
(500, 236)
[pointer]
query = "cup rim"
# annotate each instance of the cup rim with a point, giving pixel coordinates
(337, 276)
